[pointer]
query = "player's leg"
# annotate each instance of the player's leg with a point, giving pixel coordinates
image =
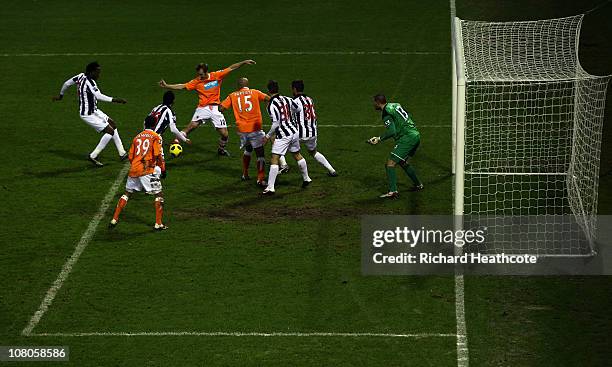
(311, 145)
(407, 148)
(391, 178)
(121, 204)
(159, 212)
(116, 138)
(152, 185)
(256, 140)
(284, 167)
(106, 131)
(190, 127)
(223, 138)
(273, 172)
(246, 160)
(294, 148)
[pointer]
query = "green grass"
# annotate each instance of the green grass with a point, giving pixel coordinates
(233, 261)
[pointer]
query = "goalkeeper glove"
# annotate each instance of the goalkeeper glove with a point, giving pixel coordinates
(374, 140)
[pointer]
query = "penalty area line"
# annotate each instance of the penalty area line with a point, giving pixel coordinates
(78, 250)
(246, 334)
(220, 53)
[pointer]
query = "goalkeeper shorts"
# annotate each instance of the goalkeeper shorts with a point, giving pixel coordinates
(405, 148)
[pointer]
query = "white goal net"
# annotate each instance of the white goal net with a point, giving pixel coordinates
(527, 129)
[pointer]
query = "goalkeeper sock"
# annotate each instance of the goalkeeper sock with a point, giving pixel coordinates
(120, 205)
(246, 161)
(159, 209)
(261, 168)
(282, 161)
(412, 174)
(321, 159)
(101, 145)
(392, 179)
(272, 176)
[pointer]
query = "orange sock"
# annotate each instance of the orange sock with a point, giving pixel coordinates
(246, 161)
(159, 209)
(261, 168)
(120, 205)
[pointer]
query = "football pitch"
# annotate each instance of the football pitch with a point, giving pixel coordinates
(240, 279)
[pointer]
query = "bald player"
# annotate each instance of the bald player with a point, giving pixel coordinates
(245, 103)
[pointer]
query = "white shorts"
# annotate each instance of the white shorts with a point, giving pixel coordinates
(254, 139)
(210, 113)
(150, 184)
(290, 143)
(310, 143)
(98, 120)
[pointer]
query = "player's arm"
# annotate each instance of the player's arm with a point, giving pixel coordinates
(238, 65)
(67, 84)
(226, 104)
(162, 83)
(179, 134)
(390, 131)
(103, 97)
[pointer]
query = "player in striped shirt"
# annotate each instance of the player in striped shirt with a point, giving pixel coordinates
(89, 94)
(165, 117)
(306, 118)
(146, 171)
(286, 135)
(208, 86)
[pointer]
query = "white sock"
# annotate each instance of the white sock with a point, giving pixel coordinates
(321, 159)
(272, 176)
(283, 161)
(101, 145)
(118, 143)
(304, 169)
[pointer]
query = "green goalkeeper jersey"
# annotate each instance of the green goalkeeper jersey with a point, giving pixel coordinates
(398, 122)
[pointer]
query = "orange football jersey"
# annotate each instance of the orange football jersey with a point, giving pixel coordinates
(245, 103)
(209, 90)
(146, 153)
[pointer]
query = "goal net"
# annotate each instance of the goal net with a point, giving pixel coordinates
(527, 129)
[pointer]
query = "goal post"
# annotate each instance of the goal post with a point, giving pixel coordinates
(527, 129)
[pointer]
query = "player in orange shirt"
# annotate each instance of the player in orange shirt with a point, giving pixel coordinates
(208, 86)
(147, 168)
(245, 103)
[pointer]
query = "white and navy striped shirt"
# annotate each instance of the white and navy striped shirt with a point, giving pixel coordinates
(87, 92)
(164, 116)
(305, 116)
(281, 109)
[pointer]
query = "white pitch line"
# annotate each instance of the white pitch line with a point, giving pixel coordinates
(80, 247)
(220, 53)
(381, 125)
(462, 339)
(245, 334)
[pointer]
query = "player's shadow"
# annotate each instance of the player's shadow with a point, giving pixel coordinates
(59, 172)
(68, 154)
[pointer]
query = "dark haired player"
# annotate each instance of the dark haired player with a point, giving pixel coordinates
(287, 138)
(165, 117)
(306, 119)
(146, 171)
(89, 94)
(407, 138)
(208, 86)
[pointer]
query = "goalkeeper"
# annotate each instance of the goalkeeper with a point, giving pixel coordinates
(401, 128)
